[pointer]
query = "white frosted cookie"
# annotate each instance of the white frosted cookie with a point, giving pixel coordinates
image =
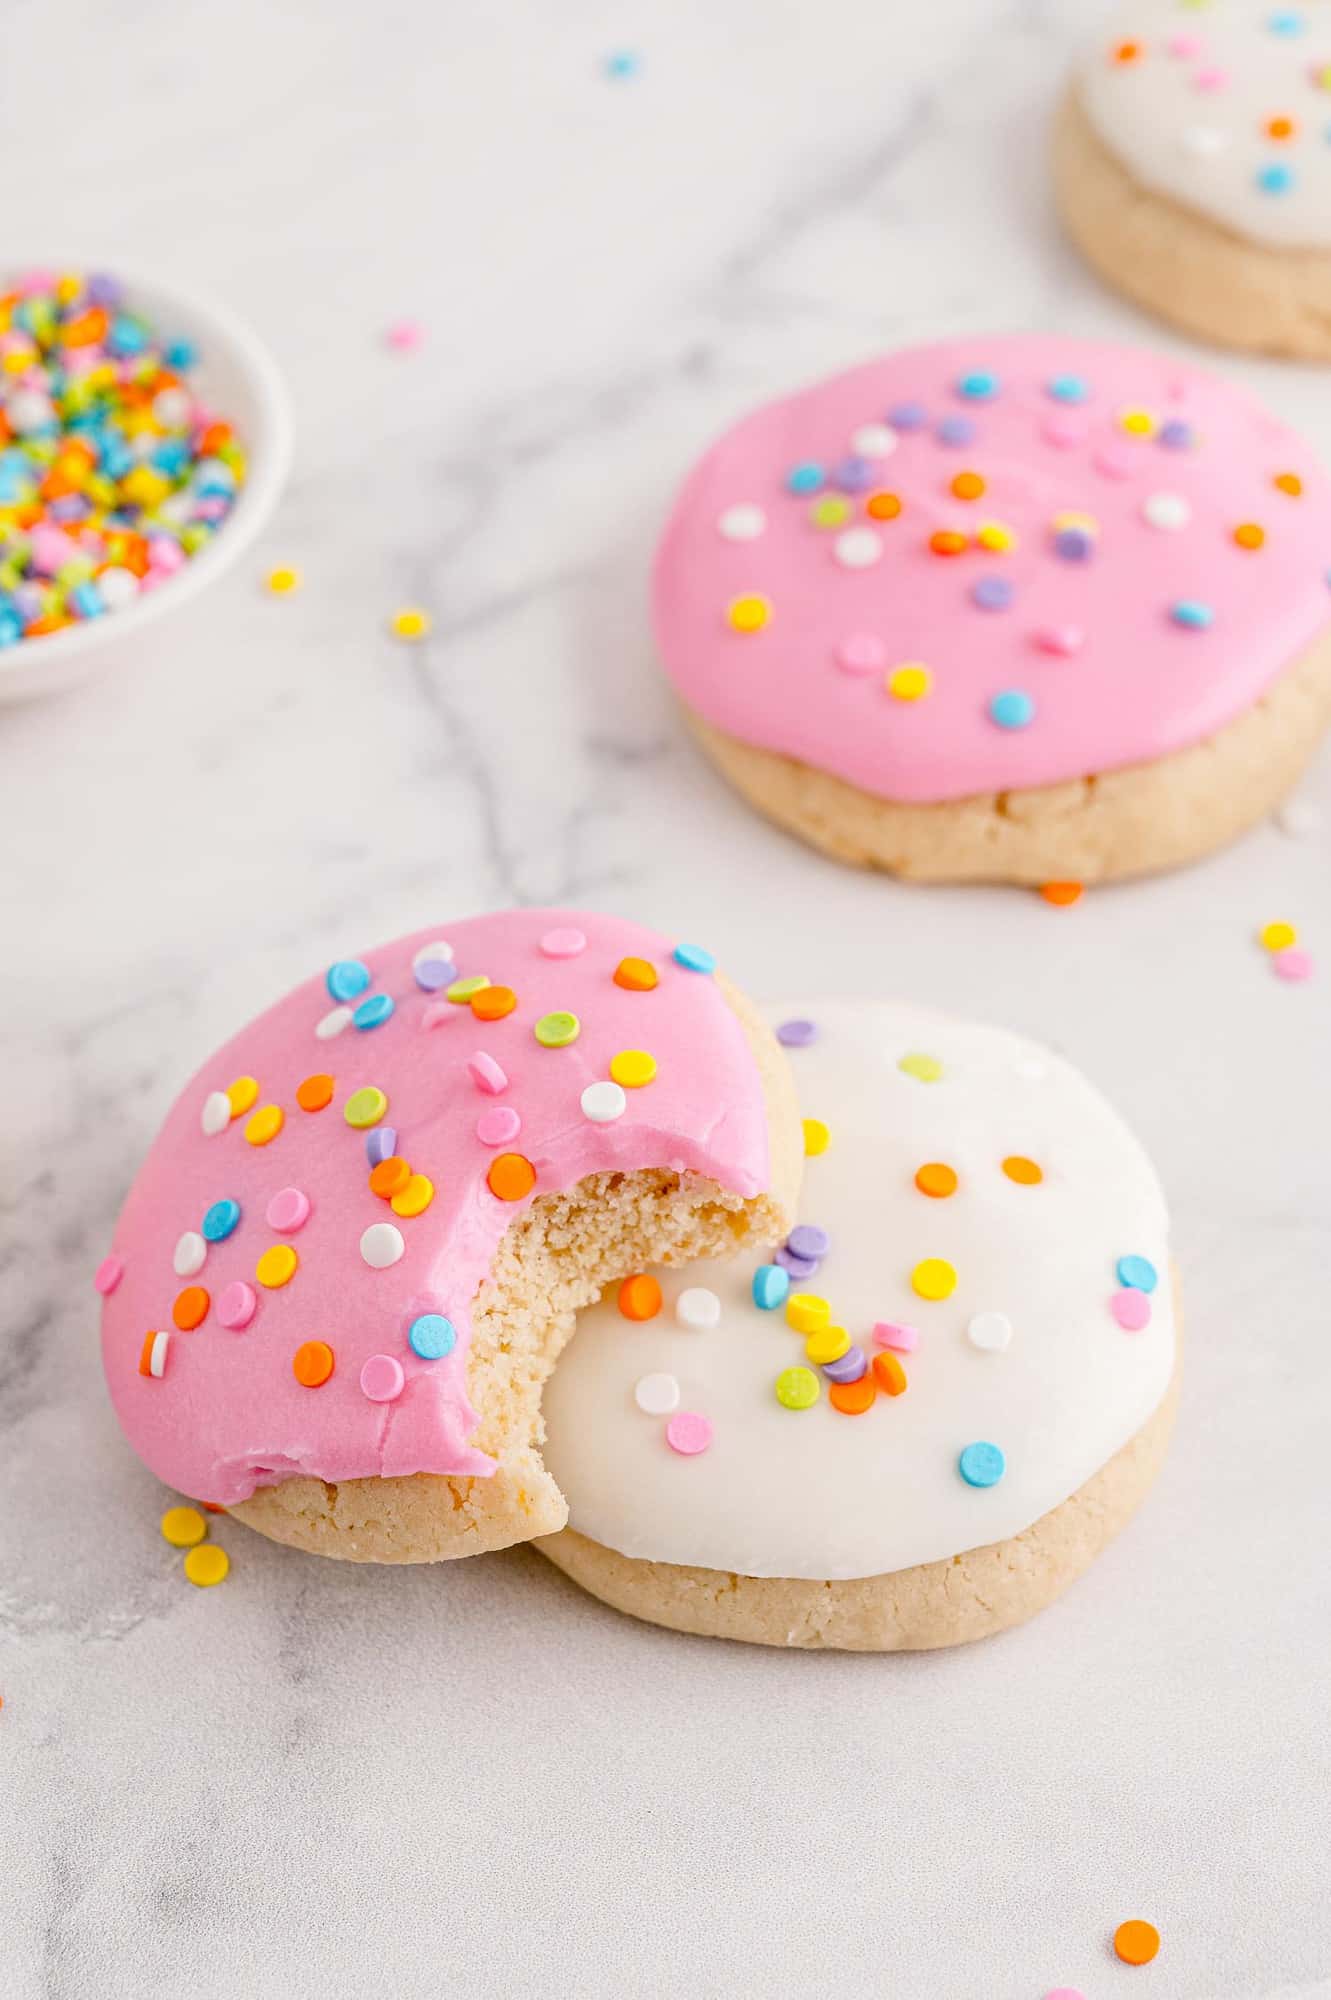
(972, 1324)
(1193, 165)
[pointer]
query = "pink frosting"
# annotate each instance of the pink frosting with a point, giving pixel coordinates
(227, 1413)
(1093, 643)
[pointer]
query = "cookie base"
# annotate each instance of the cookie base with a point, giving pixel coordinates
(1179, 264)
(1137, 821)
(970, 1596)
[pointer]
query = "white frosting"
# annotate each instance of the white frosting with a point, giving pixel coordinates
(1189, 115)
(815, 1493)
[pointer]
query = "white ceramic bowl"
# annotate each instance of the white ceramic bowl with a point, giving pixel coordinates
(235, 377)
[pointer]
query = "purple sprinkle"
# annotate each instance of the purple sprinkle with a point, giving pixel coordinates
(798, 1267)
(955, 430)
(1074, 545)
(432, 973)
(849, 1368)
(908, 416)
(808, 1240)
(104, 290)
(798, 1034)
(381, 1144)
(1175, 435)
(992, 593)
(853, 475)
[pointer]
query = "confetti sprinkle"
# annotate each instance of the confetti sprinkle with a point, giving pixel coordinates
(639, 1297)
(1138, 1272)
(694, 958)
(1277, 936)
(220, 1220)
(797, 1388)
(183, 1527)
(889, 1374)
(108, 1275)
(431, 1336)
(1293, 965)
(636, 975)
(817, 1138)
(688, 1433)
(276, 1267)
(282, 582)
(603, 1102)
(698, 1308)
(933, 1278)
(771, 1286)
(936, 1179)
(382, 1244)
(982, 1464)
(806, 1312)
(924, 1068)
(410, 623)
(312, 1363)
(991, 1332)
(558, 1030)
(656, 1395)
(1062, 894)
(381, 1378)
(890, 1333)
(511, 1177)
(1136, 1942)
(796, 1034)
(206, 1565)
(633, 1068)
(748, 614)
(404, 336)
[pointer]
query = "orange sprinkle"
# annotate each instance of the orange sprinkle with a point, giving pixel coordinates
(314, 1093)
(890, 1373)
(1025, 1172)
(1136, 1942)
(1061, 894)
(493, 1002)
(853, 1398)
(1249, 536)
(389, 1177)
(1281, 128)
(191, 1308)
(968, 486)
(936, 1179)
(636, 975)
(947, 542)
(511, 1176)
(1289, 482)
(640, 1297)
(1126, 52)
(146, 1354)
(312, 1363)
(882, 506)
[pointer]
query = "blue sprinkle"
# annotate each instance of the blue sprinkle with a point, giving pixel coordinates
(770, 1286)
(1276, 178)
(694, 958)
(220, 1220)
(908, 416)
(982, 1464)
(852, 1364)
(181, 354)
(347, 978)
(1193, 615)
(955, 430)
(86, 600)
(432, 1336)
(621, 63)
(1067, 388)
(979, 385)
(372, 1013)
(1074, 545)
(381, 1144)
(1286, 21)
(11, 631)
(1139, 1273)
(992, 593)
(1012, 709)
(1175, 435)
(804, 478)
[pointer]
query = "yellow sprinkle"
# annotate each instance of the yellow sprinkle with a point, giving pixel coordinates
(994, 536)
(461, 990)
(365, 1106)
(283, 581)
(410, 623)
(242, 1094)
(207, 1565)
(276, 1267)
(749, 614)
(415, 1197)
(925, 1069)
(1138, 423)
(829, 512)
(183, 1527)
(633, 1068)
(817, 1138)
(797, 1388)
(934, 1278)
(806, 1312)
(1278, 937)
(829, 1343)
(910, 682)
(266, 1123)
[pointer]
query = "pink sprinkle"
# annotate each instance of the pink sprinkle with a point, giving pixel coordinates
(1065, 640)
(486, 1073)
(437, 1012)
(108, 1275)
(1065, 1993)
(404, 335)
(861, 653)
(1292, 963)
(288, 1209)
(1063, 430)
(904, 1339)
(1183, 46)
(381, 1379)
(688, 1433)
(1131, 1309)
(236, 1306)
(1112, 461)
(1211, 79)
(498, 1125)
(36, 281)
(563, 943)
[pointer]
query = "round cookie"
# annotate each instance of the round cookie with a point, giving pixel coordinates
(929, 1409)
(1019, 608)
(355, 1249)
(1192, 167)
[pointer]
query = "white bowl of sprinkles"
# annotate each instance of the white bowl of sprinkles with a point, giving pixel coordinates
(224, 370)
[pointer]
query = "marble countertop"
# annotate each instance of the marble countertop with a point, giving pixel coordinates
(324, 1781)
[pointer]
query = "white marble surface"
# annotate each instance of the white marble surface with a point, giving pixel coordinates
(326, 1782)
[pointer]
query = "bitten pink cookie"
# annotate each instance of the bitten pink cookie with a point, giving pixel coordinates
(351, 1257)
(1014, 608)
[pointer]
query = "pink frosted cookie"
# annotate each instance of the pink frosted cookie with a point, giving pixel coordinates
(1015, 608)
(351, 1257)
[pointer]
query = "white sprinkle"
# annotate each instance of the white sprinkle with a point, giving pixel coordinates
(698, 1307)
(990, 1332)
(1299, 819)
(874, 441)
(382, 1245)
(857, 548)
(1166, 510)
(189, 1254)
(656, 1395)
(1204, 140)
(216, 1113)
(440, 951)
(603, 1102)
(157, 1354)
(117, 587)
(741, 524)
(333, 1024)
